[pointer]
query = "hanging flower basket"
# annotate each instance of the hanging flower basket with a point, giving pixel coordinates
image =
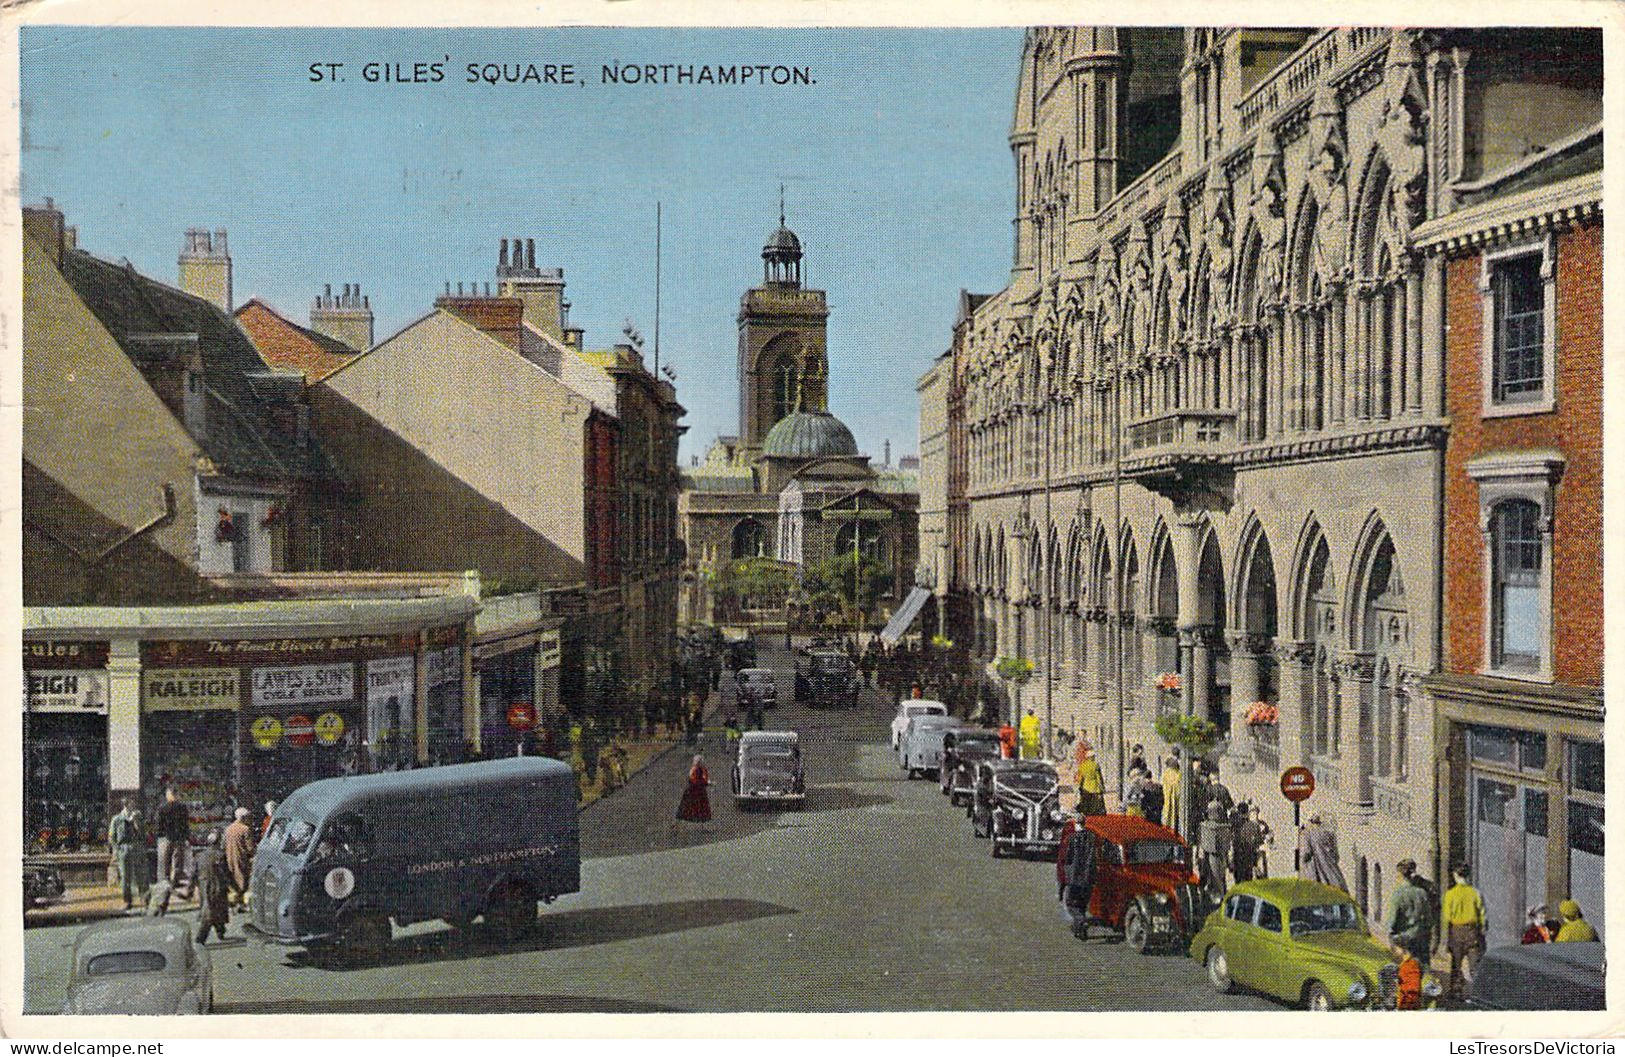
(1167, 681)
(225, 530)
(1262, 714)
(942, 642)
(1014, 669)
(272, 516)
(1193, 733)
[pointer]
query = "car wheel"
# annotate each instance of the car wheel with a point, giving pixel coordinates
(1218, 971)
(1136, 929)
(998, 849)
(1317, 998)
(364, 934)
(512, 910)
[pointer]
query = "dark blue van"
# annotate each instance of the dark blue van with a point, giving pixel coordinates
(346, 856)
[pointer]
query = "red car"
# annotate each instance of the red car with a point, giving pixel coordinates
(1132, 876)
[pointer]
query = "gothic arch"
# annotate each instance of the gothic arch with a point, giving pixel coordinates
(1162, 598)
(1375, 573)
(1312, 572)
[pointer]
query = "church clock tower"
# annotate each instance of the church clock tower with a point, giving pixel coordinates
(783, 364)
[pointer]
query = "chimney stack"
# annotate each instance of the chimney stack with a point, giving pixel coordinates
(205, 267)
(346, 318)
(44, 224)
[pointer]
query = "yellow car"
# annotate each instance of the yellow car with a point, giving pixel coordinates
(1303, 942)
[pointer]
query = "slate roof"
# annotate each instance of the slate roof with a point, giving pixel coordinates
(238, 443)
(284, 343)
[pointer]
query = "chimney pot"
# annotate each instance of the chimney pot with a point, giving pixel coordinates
(366, 302)
(502, 260)
(448, 287)
(220, 241)
(49, 204)
(459, 289)
(530, 253)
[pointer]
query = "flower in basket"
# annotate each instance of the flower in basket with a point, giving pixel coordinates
(224, 529)
(1168, 681)
(1014, 669)
(942, 642)
(1262, 714)
(272, 516)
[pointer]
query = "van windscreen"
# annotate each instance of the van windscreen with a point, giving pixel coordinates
(299, 834)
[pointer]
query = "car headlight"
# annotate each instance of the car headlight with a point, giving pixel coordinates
(1432, 988)
(1357, 991)
(1055, 814)
(1161, 898)
(1018, 813)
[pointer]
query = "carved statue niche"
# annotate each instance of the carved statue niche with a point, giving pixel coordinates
(1328, 182)
(1138, 280)
(1401, 132)
(1219, 228)
(1175, 254)
(1267, 208)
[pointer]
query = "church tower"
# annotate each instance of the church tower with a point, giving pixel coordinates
(783, 363)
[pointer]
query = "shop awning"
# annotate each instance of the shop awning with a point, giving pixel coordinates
(906, 613)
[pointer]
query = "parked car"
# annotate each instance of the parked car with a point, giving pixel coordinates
(42, 884)
(1016, 803)
(1302, 942)
(139, 965)
(907, 709)
(768, 768)
(1540, 976)
(920, 750)
(345, 856)
(1130, 875)
(739, 653)
(829, 681)
(962, 750)
(758, 688)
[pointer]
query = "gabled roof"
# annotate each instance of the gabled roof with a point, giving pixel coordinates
(130, 305)
(284, 343)
(577, 370)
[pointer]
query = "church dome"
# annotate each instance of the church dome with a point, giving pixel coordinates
(809, 435)
(782, 245)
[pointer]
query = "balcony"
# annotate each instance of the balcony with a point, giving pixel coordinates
(1182, 453)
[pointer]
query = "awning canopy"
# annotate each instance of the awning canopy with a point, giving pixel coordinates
(905, 616)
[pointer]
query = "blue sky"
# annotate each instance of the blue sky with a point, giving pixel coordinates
(896, 167)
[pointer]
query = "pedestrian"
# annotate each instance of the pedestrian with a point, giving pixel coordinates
(696, 803)
(1410, 913)
(1091, 785)
(1535, 929)
(1218, 793)
(590, 748)
(212, 883)
(1248, 837)
(173, 822)
(239, 853)
(730, 732)
(1173, 808)
(614, 765)
(127, 838)
(1030, 728)
(1136, 760)
(1464, 925)
(265, 823)
(1152, 798)
(1007, 741)
(1317, 855)
(1266, 841)
(1408, 984)
(1134, 794)
(1576, 929)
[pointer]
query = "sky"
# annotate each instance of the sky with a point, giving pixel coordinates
(895, 165)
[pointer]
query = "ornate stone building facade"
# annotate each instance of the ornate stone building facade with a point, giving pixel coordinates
(1205, 422)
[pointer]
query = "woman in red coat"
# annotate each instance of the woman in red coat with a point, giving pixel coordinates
(696, 803)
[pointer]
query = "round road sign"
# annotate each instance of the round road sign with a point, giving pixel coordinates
(299, 730)
(266, 731)
(329, 728)
(1297, 784)
(522, 715)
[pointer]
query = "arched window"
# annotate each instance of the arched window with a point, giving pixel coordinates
(786, 386)
(749, 539)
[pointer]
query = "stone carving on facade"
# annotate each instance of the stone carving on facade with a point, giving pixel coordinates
(1251, 643)
(1219, 228)
(1328, 182)
(1174, 253)
(1358, 666)
(1289, 651)
(1401, 133)
(1266, 207)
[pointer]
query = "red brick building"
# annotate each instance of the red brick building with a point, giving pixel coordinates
(1518, 699)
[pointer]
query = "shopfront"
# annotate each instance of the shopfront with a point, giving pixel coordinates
(65, 771)
(1525, 804)
(518, 684)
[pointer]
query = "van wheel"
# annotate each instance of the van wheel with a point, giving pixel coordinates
(364, 934)
(512, 910)
(1218, 971)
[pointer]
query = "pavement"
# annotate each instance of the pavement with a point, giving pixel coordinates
(874, 896)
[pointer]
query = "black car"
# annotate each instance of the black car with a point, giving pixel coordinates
(830, 680)
(1017, 804)
(1540, 976)
(962, 750)
(42, 884)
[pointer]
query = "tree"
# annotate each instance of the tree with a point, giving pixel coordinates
(829, 583)
(755, 583)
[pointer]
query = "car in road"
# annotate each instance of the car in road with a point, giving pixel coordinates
(1016, 803)
(1302, 942)
(919, 752)
(907, 709)
(1540, 976)
(768, 768)
(144, 966)
(42, 884)
(962, 750)
(758, 688)
(830, 680)
(346, 856)
(1132, 876)
(740, 652)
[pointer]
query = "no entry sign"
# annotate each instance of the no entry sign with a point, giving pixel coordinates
(1297, 784)
(299, 730)
(522, 715)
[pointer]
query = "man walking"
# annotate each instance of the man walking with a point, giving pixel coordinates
(128, 839)
(1464, 929)
(173, 821)
(1410, 913)
(1317, 855)
(239, 857)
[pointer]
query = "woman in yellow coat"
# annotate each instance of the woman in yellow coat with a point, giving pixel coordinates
(1029, 736)
(1091, 785)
